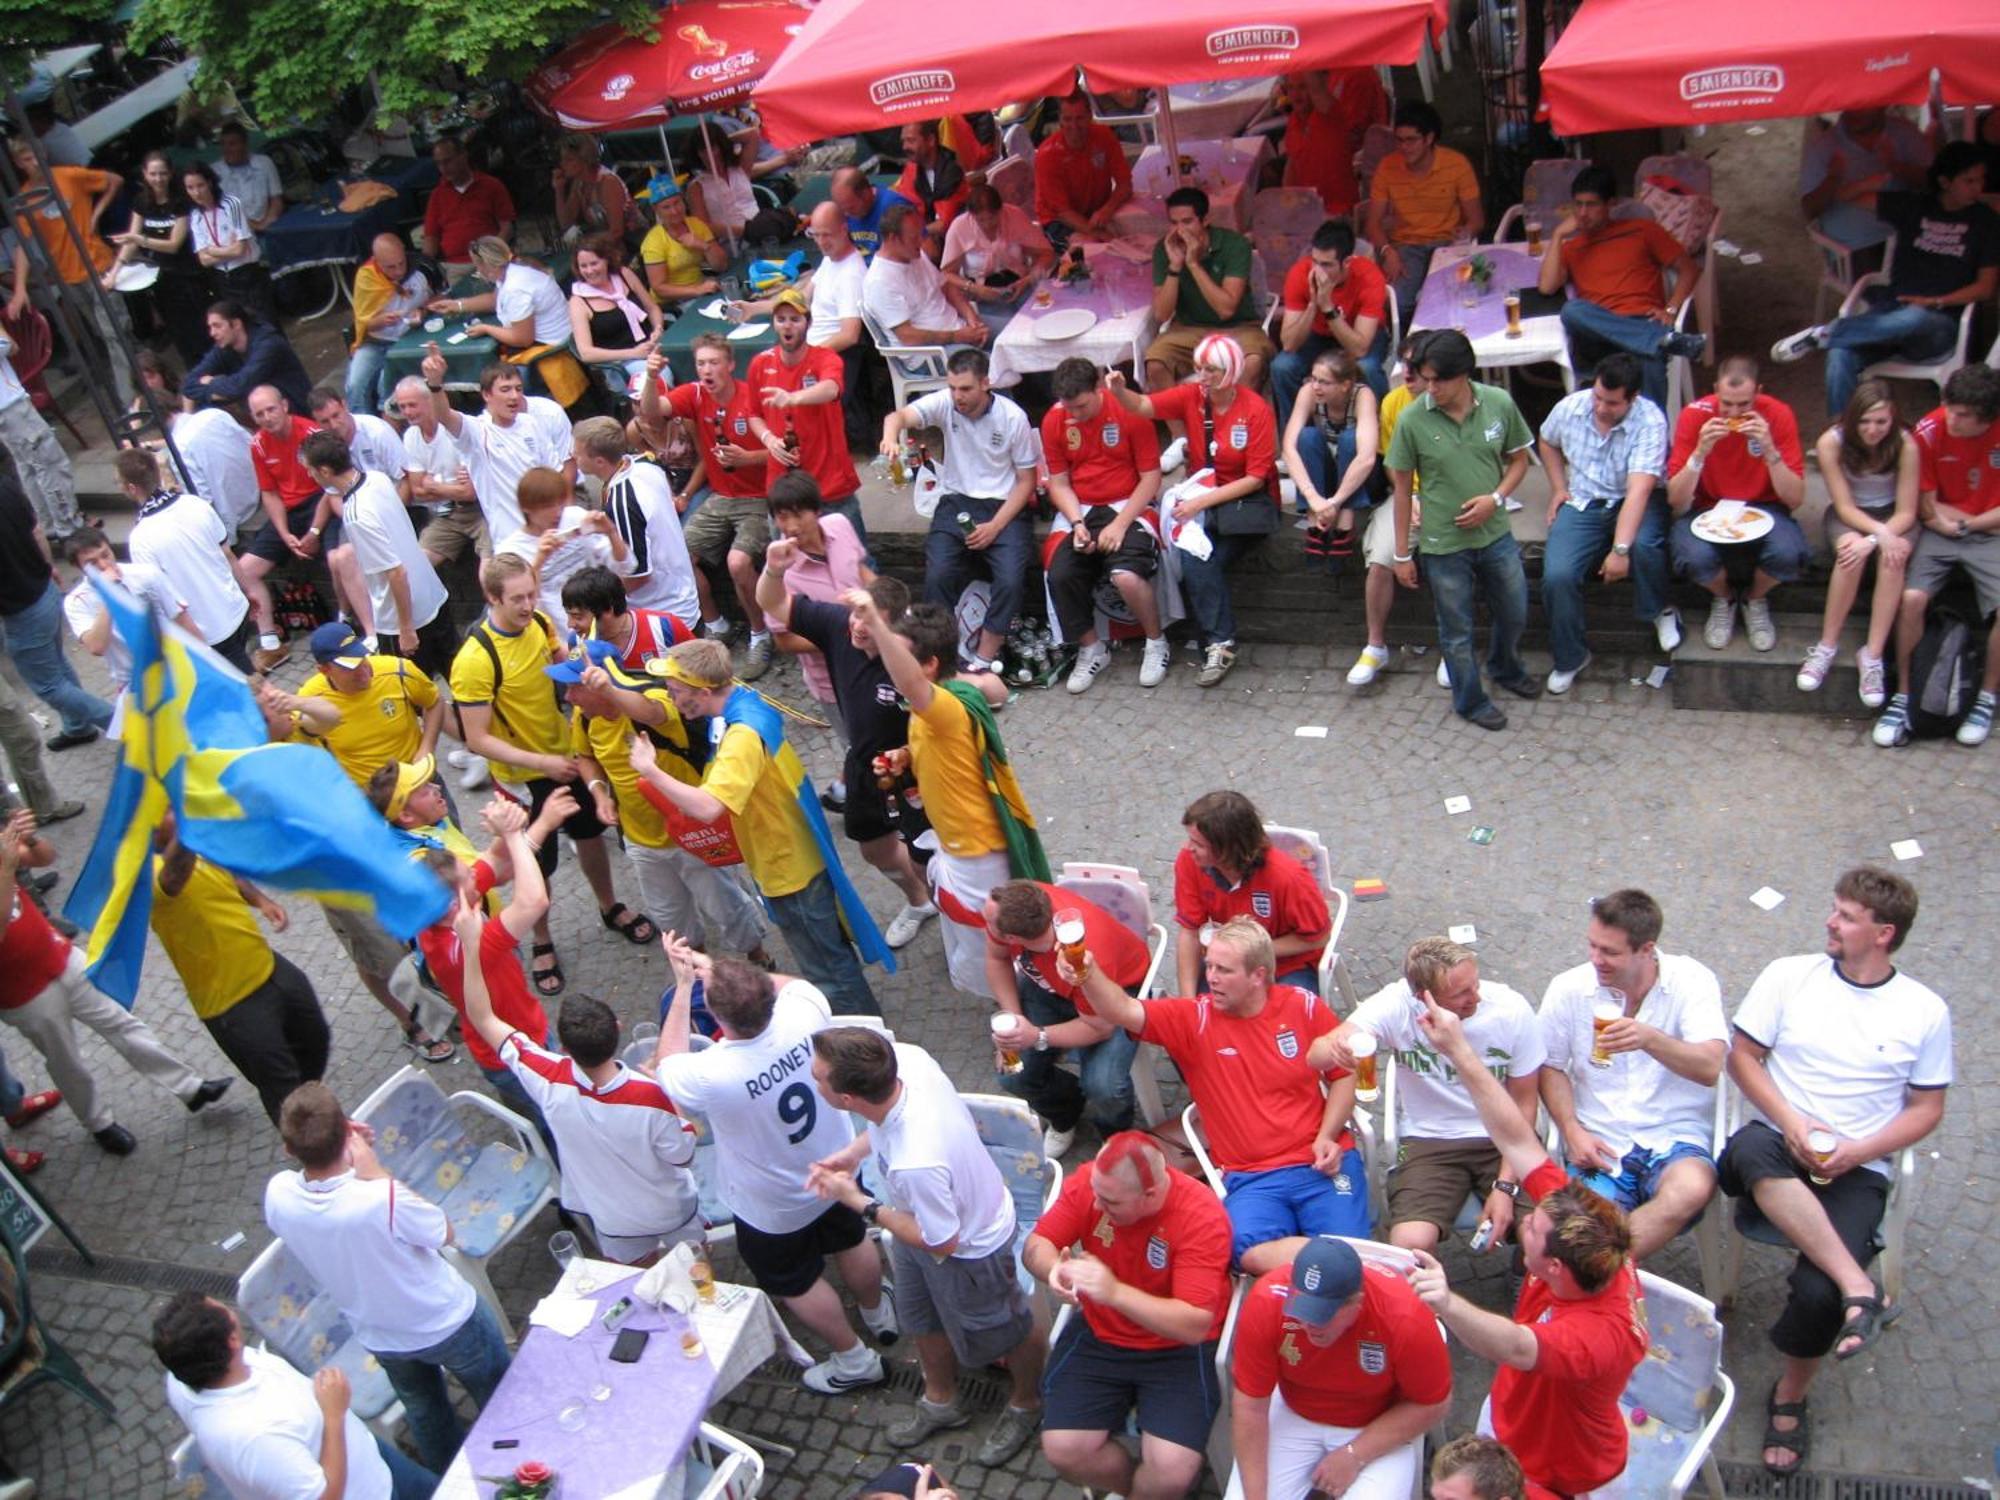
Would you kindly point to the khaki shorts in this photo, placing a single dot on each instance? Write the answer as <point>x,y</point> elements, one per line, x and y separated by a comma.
<point>367,942</point>
<point>978,1305</point>
<point>1432,1179</point>
<point>1175,347</point>
<point>721,525</point>
<point>1378,543</point>
<point>448,535</point>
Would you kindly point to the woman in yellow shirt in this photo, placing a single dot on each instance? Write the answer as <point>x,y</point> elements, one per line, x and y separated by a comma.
<point>681,253</point>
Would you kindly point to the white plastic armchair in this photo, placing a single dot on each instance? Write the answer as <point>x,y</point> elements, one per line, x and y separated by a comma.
<point>721,1466</point>
<point>1014,180</point>
<point>1309,849</point>
<point>914,369</point>
<point>1123,892</point>
<point>1683,1394</point>
<point>1936,371</point>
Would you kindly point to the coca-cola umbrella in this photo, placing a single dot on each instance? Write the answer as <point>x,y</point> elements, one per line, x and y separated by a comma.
<point>708,53</point>
<point>1632,64</point>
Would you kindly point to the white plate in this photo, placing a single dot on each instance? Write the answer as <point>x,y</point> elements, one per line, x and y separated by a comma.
<point>433,325</point>
<point>1749,524</point>
<point>747,331</point>
<point>1065,323</point>
<point>135,277</point>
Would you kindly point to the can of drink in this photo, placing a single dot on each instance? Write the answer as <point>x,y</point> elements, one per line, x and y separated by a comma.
<point>1005,1040</point>
<point>1607,1009</point>
<point>1367,1089</point>
<point>1512,302</point>
<point>1821,1144</point>
<point>1070,937</point>
<point>965,522</point>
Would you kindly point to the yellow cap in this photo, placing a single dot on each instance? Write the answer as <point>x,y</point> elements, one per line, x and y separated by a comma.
<point>791,296</point>
<point>410,774</point>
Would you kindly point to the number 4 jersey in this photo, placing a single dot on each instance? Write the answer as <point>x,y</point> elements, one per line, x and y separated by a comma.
<point>768,1122</point>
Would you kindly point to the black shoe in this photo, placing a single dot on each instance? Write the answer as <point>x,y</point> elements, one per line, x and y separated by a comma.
<point>116,1139</point>
<point>69,739</point>
<point>1683,345</point>
<point>207,1094</point>
<point>1488,717</point>
<point>1527,687</point>
<point>41,882</point>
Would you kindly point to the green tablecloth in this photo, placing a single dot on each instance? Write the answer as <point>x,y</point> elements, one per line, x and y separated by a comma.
<point>678,340</point>
<point>462,361</point>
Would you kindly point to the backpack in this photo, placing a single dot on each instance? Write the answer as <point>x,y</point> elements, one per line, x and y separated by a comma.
<point>1944,673</point>
<point>482,634</point>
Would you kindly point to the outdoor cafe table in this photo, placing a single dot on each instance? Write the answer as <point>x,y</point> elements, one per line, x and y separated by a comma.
<point>317,234</point>
<point>1447,302</point>
<point>1225,170</point>
<point>463,360</point>
<point>632,1445</point>
<point>1119,292</point>
<point>678,339</point>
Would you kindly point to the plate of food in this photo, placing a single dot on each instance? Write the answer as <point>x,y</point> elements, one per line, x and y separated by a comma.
<point>1731,523</point>
<point>1065,323</point>
<point>135,276</point>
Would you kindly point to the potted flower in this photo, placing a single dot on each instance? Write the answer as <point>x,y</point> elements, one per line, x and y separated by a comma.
<point>1477,272</point>
<point>533,1480</point>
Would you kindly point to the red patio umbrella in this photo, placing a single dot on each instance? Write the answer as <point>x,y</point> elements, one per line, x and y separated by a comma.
<point>1632,64</point>
<point>709,53</point>
<point>863,64</point>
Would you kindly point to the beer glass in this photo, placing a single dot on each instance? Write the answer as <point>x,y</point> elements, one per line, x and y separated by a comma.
<point>1004,1039</point>
<point>1512,302</point>
<point>1609,1007</point>
<point>1821,1144</point>
<point>1366,1088</point>
<point>1069,936</point>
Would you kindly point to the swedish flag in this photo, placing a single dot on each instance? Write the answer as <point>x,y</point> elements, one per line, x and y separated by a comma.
<point>285,815</point>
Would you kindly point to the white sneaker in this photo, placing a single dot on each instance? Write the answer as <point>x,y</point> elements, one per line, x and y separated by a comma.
<point>1090,660</point>
<point>1757,624</point>
<point>882,1323</point>
<point>1721,624</point>
<point>907,924</point>
<point>1559,681</point>
<point>1796,346</point>
<point>1368,665</point>
<point>1444,675</point>
<point>1978,724</point>
<point>1874,688</point>
<point>1667,627</point>
<point>474,773</point>
<point>1153,665</point>
<point>830,1377</point>
<point>1818,662</point>
<point>715,630</point>
<point>1056,1143</point>
<point>1173,455</point>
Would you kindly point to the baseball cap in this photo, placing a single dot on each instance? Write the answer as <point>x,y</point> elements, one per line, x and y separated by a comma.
<point>410,774</point>
<point>792,297</point>
<point>1324,1275</point>
<point>596,654</point>
<point>661,188</point>
<point>900,1479</point>
<point>338,644</point>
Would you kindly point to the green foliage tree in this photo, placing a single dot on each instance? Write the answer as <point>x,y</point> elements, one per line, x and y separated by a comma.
<point>288,58</point>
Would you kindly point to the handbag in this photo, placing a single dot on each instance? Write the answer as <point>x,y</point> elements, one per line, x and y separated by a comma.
<point>1250,515</point>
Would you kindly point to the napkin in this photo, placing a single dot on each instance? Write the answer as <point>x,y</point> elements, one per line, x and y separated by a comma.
<point>568,1316</point>
<point>668,1278</point>
<point>716,309</point>
<point>746,331</point>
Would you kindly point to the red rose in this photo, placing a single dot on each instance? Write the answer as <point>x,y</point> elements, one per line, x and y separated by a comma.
<point>534,1472</point>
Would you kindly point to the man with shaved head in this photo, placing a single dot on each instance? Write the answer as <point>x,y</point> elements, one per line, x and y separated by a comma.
<point>833,295</point>
<point>862,205</point>
<point>389,298</point>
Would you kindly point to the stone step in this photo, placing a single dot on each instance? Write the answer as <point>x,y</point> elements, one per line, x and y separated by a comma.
<point>1743,678</point>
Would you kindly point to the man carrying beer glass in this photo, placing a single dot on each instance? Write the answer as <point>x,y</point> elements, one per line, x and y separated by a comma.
<point>1637,1127</point>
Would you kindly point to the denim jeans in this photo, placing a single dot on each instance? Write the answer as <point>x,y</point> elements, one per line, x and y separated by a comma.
<point>1781,553</point>
<point>1204,582</point>
<point>1596,326</point>
<point>1328,468</point>
<point>1290,369</point>
<point>1457,579</point>
<point>1410,285</point>
<point>1051,1091</point>
<point>949,565</point>
<point>34,640</point>
<point>407,1480</point>
<point>12,1092</point>
<point>367,377</point>
<point>477,1357</point>
<point>810,920</point>
<point>1579,541</point>
<point>1890,330</point>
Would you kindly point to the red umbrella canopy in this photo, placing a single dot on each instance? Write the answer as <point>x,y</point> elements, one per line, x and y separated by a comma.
<point>863,64</point>
<point>709,53</point>
<point>1631,64</point>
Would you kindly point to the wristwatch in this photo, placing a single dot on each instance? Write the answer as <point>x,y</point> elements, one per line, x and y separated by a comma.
<point>1041,1038</point>
<point>1623,549</point>
<point>871,1212</point>
<point>1511,1189</point>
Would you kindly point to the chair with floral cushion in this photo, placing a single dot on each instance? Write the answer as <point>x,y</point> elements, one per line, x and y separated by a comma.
<point>300,1323</point>
<point>1677,1400</point>
<point>1305,845</point>
<point>1120,891</point>
<point>490,1191</point>
<point>1013,1138</point>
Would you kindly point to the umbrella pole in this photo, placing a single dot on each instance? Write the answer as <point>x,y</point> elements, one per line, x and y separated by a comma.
<point>1163,110</point>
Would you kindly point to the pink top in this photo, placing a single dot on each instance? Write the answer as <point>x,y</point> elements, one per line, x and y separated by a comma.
<point>825,579</point>
<point>1006,251</point>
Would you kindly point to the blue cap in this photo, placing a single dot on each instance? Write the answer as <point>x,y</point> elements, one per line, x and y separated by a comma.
<point>661,188</point>
<point>596,653</point>
<point>1324,1275</point>
<point>338,644</point>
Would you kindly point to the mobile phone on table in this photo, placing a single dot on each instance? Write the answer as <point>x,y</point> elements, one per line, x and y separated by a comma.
<point>615,1315</point>
<point>628,1346</point>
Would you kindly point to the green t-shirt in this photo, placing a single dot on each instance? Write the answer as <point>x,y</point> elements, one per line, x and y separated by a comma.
<point>1228,255</point>
<point>1454,461</point>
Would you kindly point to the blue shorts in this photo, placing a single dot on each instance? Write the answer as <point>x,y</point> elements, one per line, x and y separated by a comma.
<point>1639,1174</point>
<point>1284,1201</point>
<point>1092,1386</point>
<point>1305,979</point>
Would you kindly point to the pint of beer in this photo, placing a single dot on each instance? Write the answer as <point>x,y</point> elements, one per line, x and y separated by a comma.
<point>1366,1088</point>
<point>1069,937</point>
<point>1512,302</point>
<point>1602,1014</point>
<point>1821,1144</point>
<point>1534,237</point>
<point>1003,1039</point>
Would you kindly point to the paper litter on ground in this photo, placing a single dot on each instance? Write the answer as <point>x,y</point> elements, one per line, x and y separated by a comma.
<point>1907,849</point>
<point>1310,732</point>
<point>1767,898</point>
<point>1456,805</point>
<point>1465,933</point>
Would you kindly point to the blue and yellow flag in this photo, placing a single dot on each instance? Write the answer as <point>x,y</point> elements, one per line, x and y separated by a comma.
<point>284,815</point>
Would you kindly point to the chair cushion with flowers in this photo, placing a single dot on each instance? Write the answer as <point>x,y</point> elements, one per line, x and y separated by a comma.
<point>1013,1138</point>
<point>300,1323</point>
<point>1671,1395</point>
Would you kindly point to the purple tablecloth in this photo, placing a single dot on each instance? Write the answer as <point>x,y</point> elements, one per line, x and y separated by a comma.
<point>1117,286</point>
<point>643,1430</point>
<point>1440,304</point>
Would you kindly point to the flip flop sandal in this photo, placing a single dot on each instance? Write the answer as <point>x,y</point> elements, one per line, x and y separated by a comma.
<point>548,982</point>
<point>1797,1442</point>
<point>1876,1317</point>
<point>630,925</point>
<point>431,1049</point>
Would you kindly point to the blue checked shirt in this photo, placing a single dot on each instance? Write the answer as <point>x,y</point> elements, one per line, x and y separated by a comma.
<point>1601,462</point>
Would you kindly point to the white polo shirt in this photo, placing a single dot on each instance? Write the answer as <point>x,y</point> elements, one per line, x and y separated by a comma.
<point>625,1152</point>
<point>83,607</point>
<point>769,1122</point>
<point>496,457</point>
<point>373,1245</point>
<point>640,502</point>
<point>216,464</point>
<point>936,1167</point>
<point>585,549</point>
<point>1847,1054</point>
<point>378,447</point>
<point>982,453</point>
<point>184,541</point>
<point>908,291</point>
<point>1638,1100</point>
<point>378,528</point>
<point>261,1436</point>
<point>436,455</point>
<point>1434,1104</point>
<point>836,296</point>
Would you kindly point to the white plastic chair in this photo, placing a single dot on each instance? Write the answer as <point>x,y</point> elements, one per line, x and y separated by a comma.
<point>1123,892</point>
<point>1691,172</point>
<point>1544,190</point>
<point>1017,140</point>
<point>721,1466</point>
<point>1309,849</point>
<point>1013,1138</point>
<point>1283,221</point>
<point>1836,273</point>
<point>914,369</point>
<point>188,1475</point>
<point>299,1322</point>
<point>1936,371</point>
<point>1684,1393</point>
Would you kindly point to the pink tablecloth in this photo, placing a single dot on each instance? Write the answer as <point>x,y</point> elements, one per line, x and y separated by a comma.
<point>1443,304</point>
<point>1119,292</point>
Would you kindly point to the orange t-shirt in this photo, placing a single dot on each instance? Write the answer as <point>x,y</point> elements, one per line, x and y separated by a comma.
<point>76,186</point>
<point>1619,267</point>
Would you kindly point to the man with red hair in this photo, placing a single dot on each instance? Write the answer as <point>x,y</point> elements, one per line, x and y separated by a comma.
<point>1151,1281</point>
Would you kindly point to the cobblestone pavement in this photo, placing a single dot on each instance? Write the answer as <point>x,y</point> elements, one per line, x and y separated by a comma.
<point>1609,786</point>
